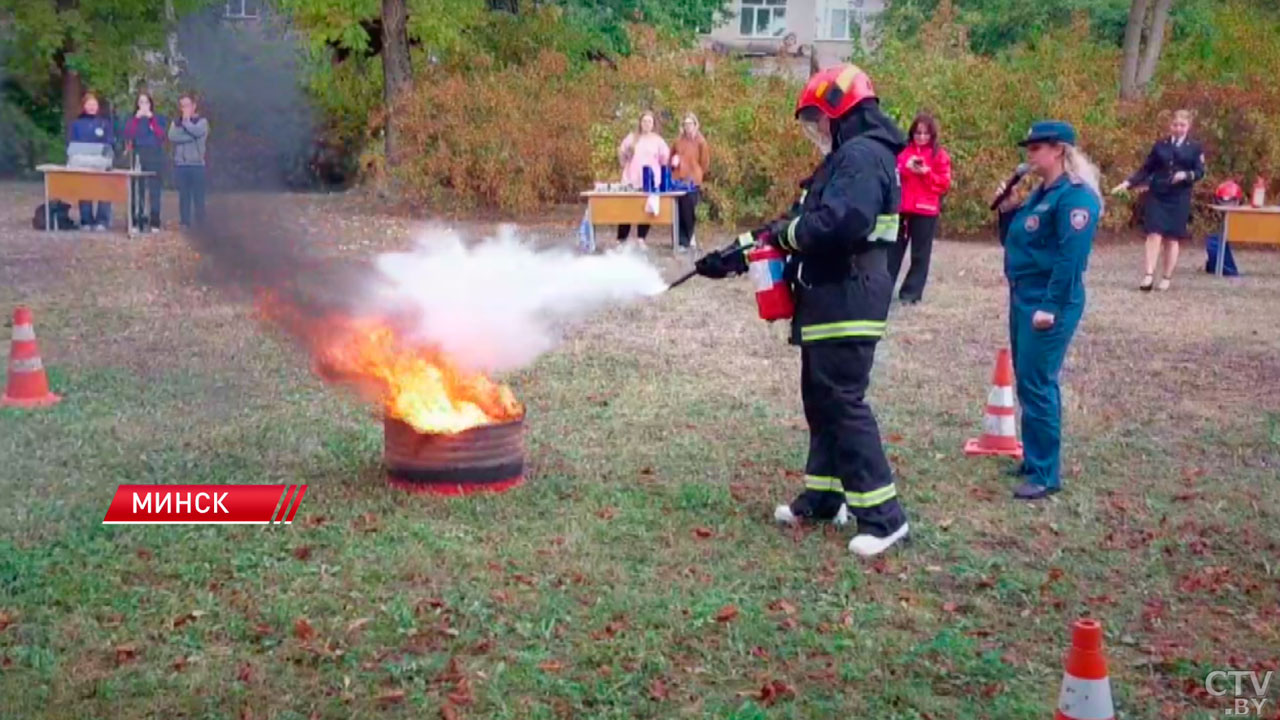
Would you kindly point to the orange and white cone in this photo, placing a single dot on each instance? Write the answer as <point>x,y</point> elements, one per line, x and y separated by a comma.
<point>27,386</point>
<point>999,428</point>
<point>1086,688</point>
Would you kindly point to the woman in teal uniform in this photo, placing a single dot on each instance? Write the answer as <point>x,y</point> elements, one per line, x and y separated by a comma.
<point>1046,253</point>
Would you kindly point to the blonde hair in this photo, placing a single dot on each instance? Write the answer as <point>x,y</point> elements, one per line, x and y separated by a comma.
<point>1079,167</point>
<point>1184,115</point>
<point>697,126</point>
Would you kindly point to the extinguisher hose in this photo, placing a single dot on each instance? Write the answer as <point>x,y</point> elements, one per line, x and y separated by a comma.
<point>682,279</point>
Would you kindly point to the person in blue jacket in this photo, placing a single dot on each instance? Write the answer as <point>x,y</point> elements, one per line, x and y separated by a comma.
<point>91,127</point>
<point>1046,253</point>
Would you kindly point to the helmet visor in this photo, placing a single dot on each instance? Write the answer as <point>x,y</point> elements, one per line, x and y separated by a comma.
<point>814,132</point>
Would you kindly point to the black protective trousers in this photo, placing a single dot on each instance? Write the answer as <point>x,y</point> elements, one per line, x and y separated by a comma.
<point>846,460</point>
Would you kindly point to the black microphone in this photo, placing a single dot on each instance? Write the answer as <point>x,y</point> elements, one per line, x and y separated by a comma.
<point>1018,172</point>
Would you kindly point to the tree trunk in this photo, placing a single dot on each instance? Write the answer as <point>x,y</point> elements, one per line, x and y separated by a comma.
<point>1155,43</point>
<point>1132,48</point>
<point>72,88</point>
<point>68,80</point>
<point>397,71</point>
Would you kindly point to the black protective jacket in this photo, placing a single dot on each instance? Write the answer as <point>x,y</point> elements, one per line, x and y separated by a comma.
<point>841,232</point>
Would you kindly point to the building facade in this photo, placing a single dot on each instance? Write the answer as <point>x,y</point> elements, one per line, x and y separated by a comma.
<point>797,33</point>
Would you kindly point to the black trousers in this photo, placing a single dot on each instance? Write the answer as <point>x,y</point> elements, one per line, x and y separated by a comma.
<point>624,231</point>
<point>687,206</point>
<point>916,230</point>
<point>150,159</point>
<point>846,461</point>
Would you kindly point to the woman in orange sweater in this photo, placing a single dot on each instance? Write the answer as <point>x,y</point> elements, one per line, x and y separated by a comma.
<point>690,157</point>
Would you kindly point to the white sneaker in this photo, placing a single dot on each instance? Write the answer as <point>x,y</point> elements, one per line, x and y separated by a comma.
<point>870,545</point>
<point>783,515</point>
<point>101,228</point>
<point>842,517</point>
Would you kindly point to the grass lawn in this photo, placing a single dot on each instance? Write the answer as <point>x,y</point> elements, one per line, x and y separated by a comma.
<point>637,573</point>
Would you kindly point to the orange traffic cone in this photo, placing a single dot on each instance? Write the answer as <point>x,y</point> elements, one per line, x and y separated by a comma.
<point>28,386</point>
<point>1086,688</point>
<point>999,431</point>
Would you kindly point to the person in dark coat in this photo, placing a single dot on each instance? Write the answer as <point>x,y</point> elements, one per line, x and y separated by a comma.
<point>93,127</point>
<point>1172,167</point>
<point>837,239</point>
<point>145,135</point>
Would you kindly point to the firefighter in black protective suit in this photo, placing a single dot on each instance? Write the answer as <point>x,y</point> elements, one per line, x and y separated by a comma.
<point>838,237</point>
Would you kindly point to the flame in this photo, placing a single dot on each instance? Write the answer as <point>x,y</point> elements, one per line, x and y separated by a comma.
<point>411,382</point>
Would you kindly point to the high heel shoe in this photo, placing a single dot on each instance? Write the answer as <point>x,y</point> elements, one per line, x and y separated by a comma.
<point>1147,281</point>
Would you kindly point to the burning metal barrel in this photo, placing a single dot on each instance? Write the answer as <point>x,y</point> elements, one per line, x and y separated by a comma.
<point>485,458</point>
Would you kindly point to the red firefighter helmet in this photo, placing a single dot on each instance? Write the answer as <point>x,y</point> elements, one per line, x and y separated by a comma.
<point>1228,193</point>
<point>834,90</point>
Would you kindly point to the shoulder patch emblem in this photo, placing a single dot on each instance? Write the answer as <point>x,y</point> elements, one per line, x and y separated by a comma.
<point>1079,218</point>
<point>1032,224</point>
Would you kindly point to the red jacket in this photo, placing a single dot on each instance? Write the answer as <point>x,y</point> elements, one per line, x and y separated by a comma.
<point>922,194</point>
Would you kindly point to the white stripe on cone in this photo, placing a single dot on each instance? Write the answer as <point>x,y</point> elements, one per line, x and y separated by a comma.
<point>1085,699</point>
<point>1002,425</point>
<point>1001,396</point>
<point>25,365</point>
<point>24,332</point>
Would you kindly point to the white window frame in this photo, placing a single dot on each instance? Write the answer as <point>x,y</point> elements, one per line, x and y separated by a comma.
<point>242,9</point>
<point>856,16</point>
<point>777,21</point>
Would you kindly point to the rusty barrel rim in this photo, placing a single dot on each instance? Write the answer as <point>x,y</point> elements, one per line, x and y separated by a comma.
<point>483,455</point>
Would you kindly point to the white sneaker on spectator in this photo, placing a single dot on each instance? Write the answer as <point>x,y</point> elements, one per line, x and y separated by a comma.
<point>101,228</point>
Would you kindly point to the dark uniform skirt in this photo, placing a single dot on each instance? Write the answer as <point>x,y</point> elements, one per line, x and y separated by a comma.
<point>1167,214</point>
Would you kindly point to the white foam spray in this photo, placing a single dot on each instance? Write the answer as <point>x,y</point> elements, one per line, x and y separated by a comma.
<point>499,304</point>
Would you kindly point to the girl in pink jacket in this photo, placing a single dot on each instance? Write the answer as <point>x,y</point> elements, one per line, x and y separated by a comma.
<point>640,149</point>
<point>925,170</point>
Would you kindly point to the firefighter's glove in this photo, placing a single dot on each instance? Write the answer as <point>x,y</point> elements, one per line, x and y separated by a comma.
<point>721,264</point>
<point>772,233</point>
<point>712,266</point>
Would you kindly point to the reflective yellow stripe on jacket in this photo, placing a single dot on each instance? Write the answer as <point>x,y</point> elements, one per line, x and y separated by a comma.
<point>847,329</point>
<point>886,230</point>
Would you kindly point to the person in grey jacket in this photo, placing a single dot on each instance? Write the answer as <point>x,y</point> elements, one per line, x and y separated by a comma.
<point>188,133</point>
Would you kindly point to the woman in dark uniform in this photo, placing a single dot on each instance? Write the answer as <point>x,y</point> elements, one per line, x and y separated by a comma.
<point>1046,253</point>
<point>1174,164</point>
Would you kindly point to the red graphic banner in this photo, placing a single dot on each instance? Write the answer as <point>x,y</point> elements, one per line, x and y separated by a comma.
<point>204,504</point>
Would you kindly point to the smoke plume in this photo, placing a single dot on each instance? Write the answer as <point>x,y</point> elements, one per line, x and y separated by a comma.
<point>498,305</point>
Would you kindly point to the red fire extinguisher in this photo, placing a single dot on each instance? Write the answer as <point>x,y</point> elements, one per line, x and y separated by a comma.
<point>1259,192</point>
<point>773,297</point>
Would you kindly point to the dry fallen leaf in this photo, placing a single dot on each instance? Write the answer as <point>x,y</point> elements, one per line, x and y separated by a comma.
<point>180,664</point>
<point>607,513</point>
<point>949,607</point>
<point>551,666</point>
<point>6,620</point>
<point>448,712</point>
<point>303,630</point>
<point>726,614</point>
<point>658,690</point>
<point>702,533</point>
<point>359,624</point>
<point>391,697</point>
<point>782,606</point>
<point>302,552</point>
<point>846,618</point>
<point>245,673</point>
<point>774,691</point>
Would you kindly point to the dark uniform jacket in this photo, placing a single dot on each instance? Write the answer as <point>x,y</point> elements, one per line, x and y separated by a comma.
<point>845,223</point>
<point>1163,161</point>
